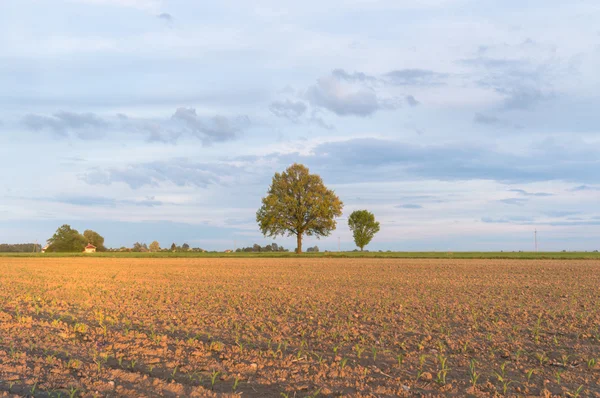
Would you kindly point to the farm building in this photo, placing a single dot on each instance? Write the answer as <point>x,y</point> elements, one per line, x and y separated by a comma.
<point>90,248</point>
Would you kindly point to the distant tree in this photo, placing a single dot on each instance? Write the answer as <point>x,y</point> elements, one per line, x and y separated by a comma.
<point>298,203</point>
<point>173,247</point>
<point>139,247</point>
<point>185,247</point>
<point>154,246</point>
<point>256,248</point>
<point>363,226</point>
<point>66,239</point>
<point>95,239</point>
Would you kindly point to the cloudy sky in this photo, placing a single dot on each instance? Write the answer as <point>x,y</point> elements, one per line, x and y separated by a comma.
<point>462,124</point>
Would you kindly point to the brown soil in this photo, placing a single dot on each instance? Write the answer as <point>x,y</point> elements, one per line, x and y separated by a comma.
<point>298,327</point>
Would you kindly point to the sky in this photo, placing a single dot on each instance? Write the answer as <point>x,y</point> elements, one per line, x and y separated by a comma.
<point>461,124</point>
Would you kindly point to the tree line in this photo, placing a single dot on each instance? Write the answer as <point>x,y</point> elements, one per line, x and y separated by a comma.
<point>256,248</point>
<point>20,248</point>
<point>297,204</point>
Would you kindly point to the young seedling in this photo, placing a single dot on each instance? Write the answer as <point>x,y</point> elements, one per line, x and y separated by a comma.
<point>558,375</point>
<point>335,349</point>
<point>441,375</point>
<point>473,374</point>
<point>400,359</point>
<point>319,357</point>
<point>591,363</point>
<point>576,393</point>
<point>502,378</point>
<point>529,374</point>
<point>541,356</point>
<point>343,363</point>
<point>213,379</point>
<point>72,392</point>
<point>235,384</point>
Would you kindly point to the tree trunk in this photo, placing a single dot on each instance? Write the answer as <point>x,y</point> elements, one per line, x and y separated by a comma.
<point>361,248</point>
<point>299,248</point>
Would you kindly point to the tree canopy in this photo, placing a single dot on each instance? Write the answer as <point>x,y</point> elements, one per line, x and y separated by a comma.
<point>154,246</point>
<point>66,239</point>
<point>363,226</point>
<point>298,203</point>
<point>95,239</point>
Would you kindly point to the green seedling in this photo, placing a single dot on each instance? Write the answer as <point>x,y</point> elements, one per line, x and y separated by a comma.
<point>576,393</point>
<point>343,363</point>
<point>473,374</point>
<point>529,374</point>
<point>213,378</point>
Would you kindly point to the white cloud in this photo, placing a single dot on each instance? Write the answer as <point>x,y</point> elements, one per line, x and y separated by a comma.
<point>147,5</point>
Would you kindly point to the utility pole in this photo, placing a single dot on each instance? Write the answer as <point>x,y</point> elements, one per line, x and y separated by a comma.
<point>535,239</point>
<point>339,245</point>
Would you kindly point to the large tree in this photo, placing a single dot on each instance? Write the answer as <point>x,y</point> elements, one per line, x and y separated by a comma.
<point>66,239</point>
<point>298,203</point>
<point>363,226</point>
<point>95,239</point>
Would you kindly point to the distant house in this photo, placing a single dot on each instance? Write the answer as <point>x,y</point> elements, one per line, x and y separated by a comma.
<point>228,251</point>
<point>90,248</point>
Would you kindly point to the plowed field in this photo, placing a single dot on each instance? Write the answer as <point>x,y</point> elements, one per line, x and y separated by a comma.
<point>299,327</point>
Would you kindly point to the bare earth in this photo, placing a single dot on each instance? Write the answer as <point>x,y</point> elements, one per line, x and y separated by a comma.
<point>299,327</point>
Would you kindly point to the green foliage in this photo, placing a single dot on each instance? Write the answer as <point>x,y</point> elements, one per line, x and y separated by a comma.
<point>95,239</point>
<point>66,239</point>
<point>154,247</point>
<point>298,203</point>
<point>363,226</point>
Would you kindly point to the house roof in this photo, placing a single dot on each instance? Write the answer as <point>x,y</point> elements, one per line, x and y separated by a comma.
<point>90,246</point>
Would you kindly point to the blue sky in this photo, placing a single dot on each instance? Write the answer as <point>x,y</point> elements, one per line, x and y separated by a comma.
<point>462,124</point>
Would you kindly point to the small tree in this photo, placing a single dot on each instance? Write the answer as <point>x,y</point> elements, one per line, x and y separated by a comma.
<point>298,203</point>
<point>185,247</point>
<point>66,239</point>
<point>173,247</point>
<point>154,247</point>
<point>363,226</point>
